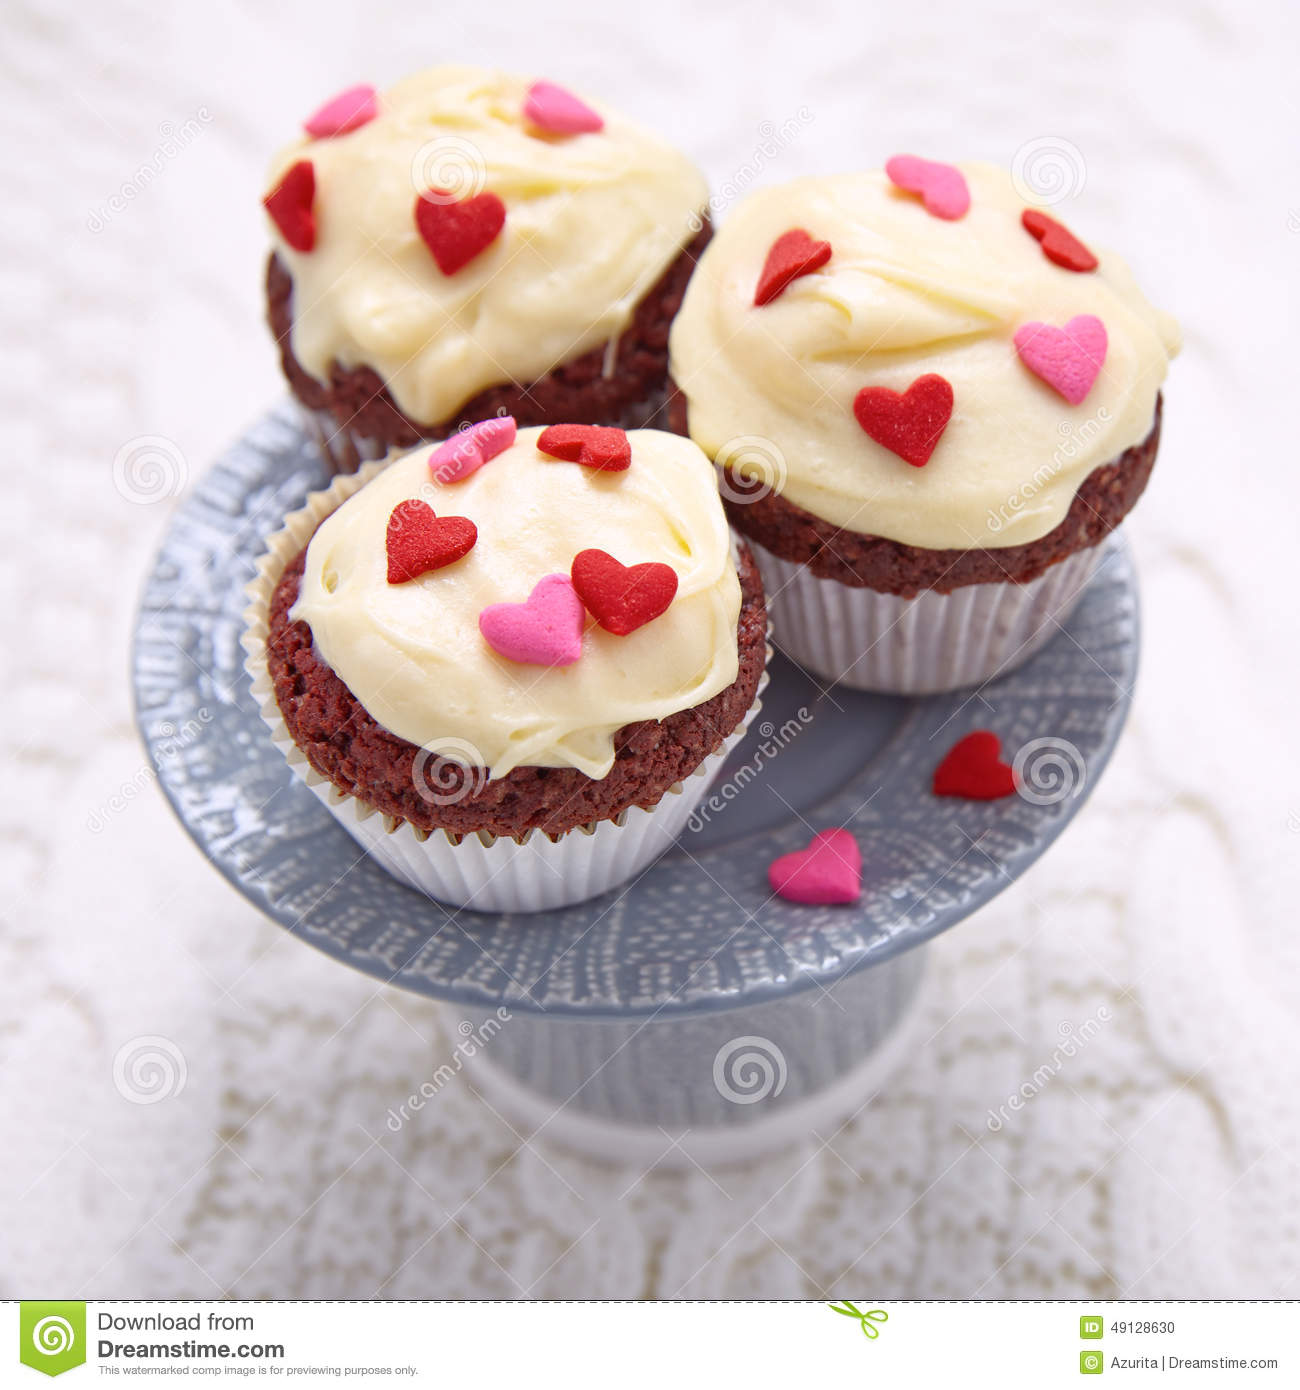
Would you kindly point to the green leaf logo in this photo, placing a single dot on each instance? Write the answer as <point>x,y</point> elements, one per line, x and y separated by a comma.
<point>867,1321</point>
<point>52,1336</point>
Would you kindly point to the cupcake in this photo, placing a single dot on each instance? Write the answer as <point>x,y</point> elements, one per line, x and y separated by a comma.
<point>930,402</point>
<point>513,664</point>
<point>470,243</point>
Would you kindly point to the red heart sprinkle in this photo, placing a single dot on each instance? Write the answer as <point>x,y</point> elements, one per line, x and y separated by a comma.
<point>456,232</point>
<point>1059,244</point>
<point>595,446</point>
<point>792,254</point>
<point>290,206</point>
<point>419,541</point>
<point>974,769</point>
<point>907,424</point>
<point>622,598</point>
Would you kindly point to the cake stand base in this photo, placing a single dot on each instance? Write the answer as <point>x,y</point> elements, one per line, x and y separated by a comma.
<point>703,1090</point>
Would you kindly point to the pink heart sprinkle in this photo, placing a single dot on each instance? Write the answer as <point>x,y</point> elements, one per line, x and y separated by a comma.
<point>942,186</point>
<point>828,871</point>
<point>544,631</point>
<point>468,450</point>
<point>348,111</point>
<point>1067,359</point>
<point>553,109</point>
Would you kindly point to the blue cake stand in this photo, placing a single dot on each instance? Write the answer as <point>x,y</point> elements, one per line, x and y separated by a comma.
<point>690,1006</point>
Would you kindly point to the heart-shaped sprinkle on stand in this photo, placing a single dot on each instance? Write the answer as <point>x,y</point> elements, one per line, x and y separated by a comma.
<point>290,205</point>
<point>974,769</point>
<point>419,541</point>
<point>909,423</point>
<point>546,630</point>
<point>1059,244</point>
<point>828,871</point>
<point>622,598</point>
<point>1067,359</point>
<point>594,446</point>
<point>456,231</point>
<point>552,109</point>
<point>468,450</point>
<point>792,254</point>
<point>942,187</point>
<point>348,111</point>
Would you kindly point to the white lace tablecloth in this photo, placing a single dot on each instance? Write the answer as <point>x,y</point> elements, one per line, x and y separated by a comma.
<point>1160,1160</point>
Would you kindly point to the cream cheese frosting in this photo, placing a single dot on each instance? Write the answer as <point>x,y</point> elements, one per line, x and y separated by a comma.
<point>414,657</point>
<point>592,221</point>
<point>906,293</point>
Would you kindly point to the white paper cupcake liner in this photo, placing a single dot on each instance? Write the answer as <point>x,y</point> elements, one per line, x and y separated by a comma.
<point>481,871</point>
<point>344,450</point>
<point>922,645</point>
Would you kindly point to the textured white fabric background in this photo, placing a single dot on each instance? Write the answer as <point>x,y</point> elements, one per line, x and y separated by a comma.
<point>1161,1161</point>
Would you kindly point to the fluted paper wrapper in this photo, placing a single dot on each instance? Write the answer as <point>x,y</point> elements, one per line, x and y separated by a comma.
<point>482,871</point>
<point>344,449</point>
<point>922,645</point>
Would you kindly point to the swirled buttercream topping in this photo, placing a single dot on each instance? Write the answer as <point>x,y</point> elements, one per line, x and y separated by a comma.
<point>412,652</point>
<point>905,294</point>
<point>592,219</point>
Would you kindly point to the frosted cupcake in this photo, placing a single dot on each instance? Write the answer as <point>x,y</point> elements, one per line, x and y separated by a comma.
<point>470,243</point>
<point>512,665</point>
<point>929,402</point>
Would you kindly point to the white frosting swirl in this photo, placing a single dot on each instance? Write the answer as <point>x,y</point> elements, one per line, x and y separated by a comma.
<point>906,293</point>
<point>412,653</point>
<point>592,221</point>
